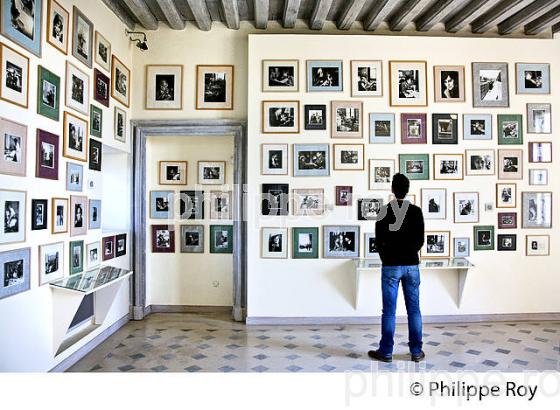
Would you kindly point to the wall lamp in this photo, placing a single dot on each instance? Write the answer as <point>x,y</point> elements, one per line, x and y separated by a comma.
<point>141,44</point>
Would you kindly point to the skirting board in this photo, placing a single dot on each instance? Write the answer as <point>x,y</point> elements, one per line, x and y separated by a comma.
<point>188,309</point>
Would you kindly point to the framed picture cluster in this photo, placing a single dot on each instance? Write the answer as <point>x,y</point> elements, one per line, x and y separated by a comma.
<point>192,239</point>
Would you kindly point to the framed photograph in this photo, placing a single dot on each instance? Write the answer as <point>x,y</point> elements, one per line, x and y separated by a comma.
<point>510,164</point>
<point>436,244</point>
<point>48,94</point>
<point>78,215</point>
<point>537,245</point>
<point>93,254</point>
<point>414,129</point>
<point>370,247</point>
<point>14,211</point>
<point>164,87</point>
<point>466,205</point>
<point>120,81</point>
<point>536,210</point>
<point>449,82</point>
<point>490,85</point>
<point>120,124</point>
<point>346,119</point>
<point>506,195</point>
<point>341,241</point>
<point>75,137</point>
<point>192,238</point>
<point>381,128</point>
<point>348,157</point>
<point>408,84</point>
<point>280,76</point>
<point>15,271</point>
<point>163,239</point>
<point>343,195</point>
<point>211,172</point>
<point>77,89</point>
<point>280,117</point>
<point>14,75</point>
<point>274,243</point>
<point>46,165</point>
<point>415,166</point>
<point>51,262</point>
<point>540,151</point>
<point>95,121</point>
<point>507,242</point>
<point>410,198</point>
<point>74,177</point>
<point>311,160</point>
<point>82,38</point>
<point>21,23</point>
<point>76,256</point>
<point>369,208</point>
<point>95,154</point>
<point>108,247</point>
<point>59,215</point>
<point>480,162</point>
<point>477,126</point>
<point>434,203</point>
<point>445,129</point>
<point>315,117</point>
<point>58,21</point>
<point>510,129</point>
<point>448,167</point>
<point>192,205</point>
<point>461,247</point>
<point>483,237</point>
<point>102,52</point>
<point>507,220</point>
<point>102,85</point>
<point>381,173</point>
<point>275,199</point>
<point>94,214</point>
<point>161,204</point>
<point>39,217</point>
<point>538,177</point>
<point>308,202</point>
<point>533,78</point>
<point>324,75</point>
<point>305,243</point>
<point>539,119</point>
<point>220,205</point>
<point>214,87</point>
<point>221,239</point>
<point>120,245</point>
<point>13,146</point>
<point>274,159</point>
<point>367,78</point>
<point>173,172</point>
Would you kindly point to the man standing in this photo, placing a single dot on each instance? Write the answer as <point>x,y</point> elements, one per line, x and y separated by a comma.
<point>399,236</point>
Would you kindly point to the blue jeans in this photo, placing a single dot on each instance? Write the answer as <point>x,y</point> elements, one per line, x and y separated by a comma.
<point>410,278</point>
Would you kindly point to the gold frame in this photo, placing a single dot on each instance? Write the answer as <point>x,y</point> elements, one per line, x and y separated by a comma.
<point>230,108</point>
<point>462,168</point>
<point>114,60</point>
<point>391,62</point>
<point>49,28</point>
<point>349,145</point>
<point>296,123</point>
<point>461,70</point>
<point>65,137</point>
<point>148,66</point>
<point>297,76</point>
<point>53,202</point>
<point>2,45</point>
<point>186,163</point>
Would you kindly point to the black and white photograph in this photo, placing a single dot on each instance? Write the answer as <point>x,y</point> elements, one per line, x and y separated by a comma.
<point>48,94</point>
<point>120,124</point>
<point>434,203</point>
<point>39,214</point>
<point>369,209</point>
<point>13,210</point>
<point>449,83</point>
<point>191,204</point>
<point>539,118</point>
<point>480,162</point>
<point>367,78</point>
<point>164,84</point>
<point>94,214</point>
<point>346,119</point>
<point>537,245</point>
<point>323,75</point>
<point>381,128</point>
<point>14,271</point>
<point>82,37</point>
<point>448,166</point>
<point>305,243</point>
<point>275,199</point>
<point>445,129</point>
<point>211,172</point>
<point>280,117</point>
<point>59,212</point>
<point>381,173</point>
<point>462,247</point>
<point>192,238</point>
<point>57,26</point>
<point>506,195</point>
<point>77,89</point>
<point>95,154</point>
<point>214,87</point>
<point>220,205</point>
<point>507,242</point>
<point>93,254</point>
<point>309,201</point>
<point>274,243</point>
<point>51,262</point>
<point>510,164</point>
<point>348,157</point>
<point>13,148</point>
<point>76,256</point>
<point>78,215</point>
<point>408,83</point>
<point>414,166</point>
<point>341,241</point>
<point>311,160</point>
<point>21,23</point>
<point>490,85</point>
<point>436,244</point>
<point>120,245</point>
<point>75,137</point>
<point>510,128</point>
<point>280,76</point>
<point>370,246</point>
<point>163,239</point>
<point>161,204</point>
<point>172,172</point>
<point>120,81</point>
<point>466,205</point>
<point>533,78</point>
<point>536,210</point>
<point>96,121</point>
<point>483,237</point>
<point>74,177</point>
<point>274,159</point>
<point>102,51</point>
<point>315,117</point>
<point>14,76</point>
<point>101,83</point>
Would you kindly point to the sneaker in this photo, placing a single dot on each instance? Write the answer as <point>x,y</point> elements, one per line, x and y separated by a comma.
<point>418,357</point>
<point>374,354</point>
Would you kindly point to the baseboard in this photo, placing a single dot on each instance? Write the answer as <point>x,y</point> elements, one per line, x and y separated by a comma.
<point>374,320</point>
<point>89,346</point>
<point>187,309</point>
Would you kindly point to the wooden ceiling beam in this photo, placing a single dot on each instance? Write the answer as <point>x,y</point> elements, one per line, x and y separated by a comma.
<point>468,14</point>
<point>172,15</point>
<point>546,21</point>
<point>201,14</point>
<point>497,14</point>
<point>349,14</point>
<point>231,13</point>
<point>121,13</point>
<point>529,13</point>
<point>142,13</point>
<point>406,13</point>
<point>291,9</point>
<point>436,13</point>
<point>320,13</point>
<point>378,13</point>
<point>261,8</point>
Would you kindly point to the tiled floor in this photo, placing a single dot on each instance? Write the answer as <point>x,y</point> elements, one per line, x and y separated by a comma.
<point>212,343</point>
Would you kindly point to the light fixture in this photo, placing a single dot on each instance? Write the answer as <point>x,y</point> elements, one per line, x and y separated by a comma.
<point>141,44</point>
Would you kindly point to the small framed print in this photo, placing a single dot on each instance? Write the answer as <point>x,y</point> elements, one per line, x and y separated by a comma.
<point>173,172</point>
<point>95,121</point>
<point>480,162</point>
<point>78,215</point>
<point>408,84</point>
<point>410,198</point>
<point>120,81</point>
<point>214,87</point>
<point>538,177</point>
<point>39,217</point>
<point>75,137</point>
<point>280,76</point>
<point>436,244</point>
<point>192,205</point>
<point>220,205</point>
<point>483,237</point>
<point>102,83</point>
<point>448,166</point>
<point>221,239</point>
<point>59,215</point>
<point>348,157</point>
<point>95,154</point>
<point>449,82</point>
<point>490,85</point>
<point>341,241</point>
<point>161,204</point>
<point>77,89</point>
<point>415,166</point>
<point>510,129</point>
<point>14,75</point>
<point>414,129</point>
<point>510,164</point>
<point>477,126</point>
<point>369,208</point>
<point>274,159</point>
<point>343,195</point>
<point>163,239</point>
<point>74,177</point>
<point>370,247</point>
<point>76,256</point>
<point>120,245</point>
<point>324,75</point>
<point>536,210</point>
<point>94,214</point>
<point>102,52</point>
<point>381,173</point>
<point>466,205</point>
<point>51,262</point>
<point>507,220</point>
<point>14,210</point>
<point>434,203</point>
<point>46,155</point>
<point>445,129</point>
<point>21,23</point>
<point>367,78</point>
<point>381,128</point>
<point>315,117</point>
<point>311,160</point>
<point>48,94</point>
<point>58,21</point>
<point>192,238</point>
<point>164,87</point>
<point>539,119</point>
<point>540,152</point>
<point>537,245</point>
<point>93,254</point>
<point>305,243</point>
<point>13,145</point>
<point>507,242</point>
<point>108,247</point>
<point>461,247</point>
<point>308,202</point>
<point>506,195</point>
<point>274,243</point>
<point>280,117</point>
<point>15,271</point>
<point>211,172</point>
<point>120,124</point>
<point>533,78</point>
<point>346,119</point>
<point>82,38</point>
<point>275,199</point>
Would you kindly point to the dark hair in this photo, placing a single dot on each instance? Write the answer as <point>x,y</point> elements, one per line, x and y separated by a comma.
<point>400,185</point>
